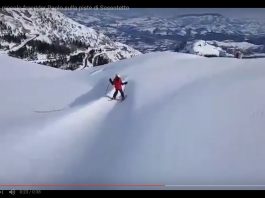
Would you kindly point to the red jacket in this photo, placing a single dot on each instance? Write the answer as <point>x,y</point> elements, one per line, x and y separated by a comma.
<point>117,83</point>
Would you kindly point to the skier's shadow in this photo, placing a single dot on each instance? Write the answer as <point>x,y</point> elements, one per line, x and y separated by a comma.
<point>94,94</point>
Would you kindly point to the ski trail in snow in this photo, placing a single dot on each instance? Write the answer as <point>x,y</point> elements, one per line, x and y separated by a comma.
<point>16,47</point>
<point>49,111</point>
<point>95,72</point>
<point>54,144</point>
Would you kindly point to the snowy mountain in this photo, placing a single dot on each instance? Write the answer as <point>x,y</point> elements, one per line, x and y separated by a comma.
<point>154,33</point>
<point>245,47</point>
<point>224,49</point>
<point>187,120</point>
<point>47,36</point>
<point>203,48</point>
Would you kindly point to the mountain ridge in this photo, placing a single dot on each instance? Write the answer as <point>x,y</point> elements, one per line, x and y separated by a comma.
<point>59,38</point>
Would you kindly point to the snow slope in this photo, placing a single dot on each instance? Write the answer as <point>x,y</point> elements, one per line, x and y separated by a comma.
<point>187,120</point>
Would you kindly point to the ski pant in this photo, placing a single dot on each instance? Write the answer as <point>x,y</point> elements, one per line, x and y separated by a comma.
<point>116,92</point>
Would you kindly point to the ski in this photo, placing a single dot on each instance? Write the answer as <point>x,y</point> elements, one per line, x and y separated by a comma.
<point>117,99</point>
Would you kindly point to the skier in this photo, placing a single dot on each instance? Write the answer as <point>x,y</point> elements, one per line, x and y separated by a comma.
<point>117,82</point>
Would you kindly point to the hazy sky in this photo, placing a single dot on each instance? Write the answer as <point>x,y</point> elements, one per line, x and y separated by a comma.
<point>255,13</point>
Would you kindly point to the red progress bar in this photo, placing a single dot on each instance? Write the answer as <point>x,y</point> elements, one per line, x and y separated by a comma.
<point>87,185</point>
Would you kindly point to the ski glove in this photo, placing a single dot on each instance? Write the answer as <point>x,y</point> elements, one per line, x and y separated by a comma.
<point>125,83</point>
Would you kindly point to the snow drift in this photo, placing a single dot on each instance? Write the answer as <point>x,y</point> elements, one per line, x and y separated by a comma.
<point>187,120</point>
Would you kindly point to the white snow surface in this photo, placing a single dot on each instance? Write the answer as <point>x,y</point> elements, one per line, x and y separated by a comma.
<point>187,120</point>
